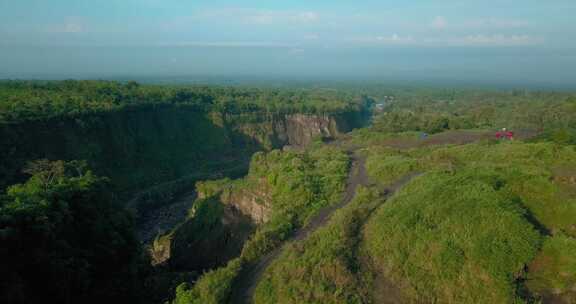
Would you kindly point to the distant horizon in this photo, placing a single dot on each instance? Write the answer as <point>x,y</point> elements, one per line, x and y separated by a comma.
<point>255,80</point>
<point>499,43</point>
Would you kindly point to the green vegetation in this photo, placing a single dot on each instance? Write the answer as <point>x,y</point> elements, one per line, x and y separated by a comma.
<point>140,135</point>
<point>386,166</point>
<point>464,232</point>
<point>203,241</point>
<point>213,288</point>
<point>554,269</point>
<point>41,100</point>
<point>299,185</point>
<point>487,221</point>
<point>323,268</point>
<point>453,239</point>
<point>435,111</point>
<point>211,188</point>
<point>62,238</point>
<point>472,219</point>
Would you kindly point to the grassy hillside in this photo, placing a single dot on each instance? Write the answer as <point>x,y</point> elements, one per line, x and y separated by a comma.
<point>324,268</point>
<point>484,214</point>
<point>300,184</point>
<point>486,222</point>
<point>452,239</point>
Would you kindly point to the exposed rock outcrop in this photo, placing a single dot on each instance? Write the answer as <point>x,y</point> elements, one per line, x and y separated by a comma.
<point>254,202</point>
<point>214,234</point>
<point>302,129</point>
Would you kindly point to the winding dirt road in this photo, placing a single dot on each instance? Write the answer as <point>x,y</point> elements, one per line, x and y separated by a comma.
<point>245,285</point>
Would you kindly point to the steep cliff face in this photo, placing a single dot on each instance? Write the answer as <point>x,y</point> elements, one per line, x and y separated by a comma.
<point>211,236</point>
<point>254,202</point>
<point>301,129</point>
<point>141,147</point>
<point>276,131</point>
<point>221,220</point>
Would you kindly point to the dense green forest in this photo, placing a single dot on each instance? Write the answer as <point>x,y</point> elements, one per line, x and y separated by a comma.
<point>428,204</point>
<point>548,112</point>
<point>143,135</point>
<point>64,239</point>
<point>28,101</point>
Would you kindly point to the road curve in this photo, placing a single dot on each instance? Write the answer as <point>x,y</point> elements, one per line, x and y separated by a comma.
<point>245,285</point>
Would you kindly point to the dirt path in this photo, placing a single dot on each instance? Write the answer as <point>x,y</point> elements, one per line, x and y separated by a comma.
<point>243,290</point>
<point>383,290</point>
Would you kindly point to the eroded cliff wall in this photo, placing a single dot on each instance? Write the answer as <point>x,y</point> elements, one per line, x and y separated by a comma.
<point>141,147</point>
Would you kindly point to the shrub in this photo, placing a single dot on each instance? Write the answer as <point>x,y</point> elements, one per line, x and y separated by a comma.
<point>212,288</point>
<point>321,269</point>
<point>452,239</point>
<point>554,269</point>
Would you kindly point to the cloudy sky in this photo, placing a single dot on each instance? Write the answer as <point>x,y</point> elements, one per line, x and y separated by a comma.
<point>490,38</point>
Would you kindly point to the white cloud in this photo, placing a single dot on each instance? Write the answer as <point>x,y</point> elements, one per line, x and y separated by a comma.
<point>393,39</point>
<point>296,51</point>
<point>280,17</point>
<point>307,17</point>
<point>476,40</point>
<point>70,25</point>
<point>495,23</point>
<point>260,17</point>
<point>500,40</point>
<point>311,37</point>
<point>227,44</point>
<point>492,40</point>
<point>439,23</point>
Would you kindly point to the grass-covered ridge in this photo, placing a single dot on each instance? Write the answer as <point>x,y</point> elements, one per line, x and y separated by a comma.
<point>532,182</point>
<point>487,222</point>
<point>300,184</point>
<point>554,269</point>
<point>324,268</point>
<point>453,238</point>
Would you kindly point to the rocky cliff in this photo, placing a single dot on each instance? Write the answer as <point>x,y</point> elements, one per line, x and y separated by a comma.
<point>213,234</point>
<point>254,201</point>
<point>221,220</point>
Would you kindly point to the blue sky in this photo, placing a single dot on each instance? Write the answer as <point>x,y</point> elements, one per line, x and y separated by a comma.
<point>101,37</point>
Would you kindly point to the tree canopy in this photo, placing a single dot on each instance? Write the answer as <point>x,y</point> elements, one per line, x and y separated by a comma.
<point>62,238</point>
